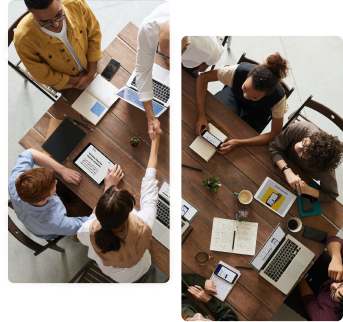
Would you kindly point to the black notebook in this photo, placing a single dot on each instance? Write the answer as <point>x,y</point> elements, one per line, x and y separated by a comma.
<point>63,140</point>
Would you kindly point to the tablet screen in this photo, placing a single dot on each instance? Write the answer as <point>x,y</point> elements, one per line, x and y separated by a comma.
<point>93,163</point>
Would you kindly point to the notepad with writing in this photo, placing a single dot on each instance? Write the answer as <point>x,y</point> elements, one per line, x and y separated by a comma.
<point>205,149</point>
<point>96,99</point>
<point>233,236</point>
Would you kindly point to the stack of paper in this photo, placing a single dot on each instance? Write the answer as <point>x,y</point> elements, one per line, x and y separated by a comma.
<point>233,236</point>
<point>204,148</point>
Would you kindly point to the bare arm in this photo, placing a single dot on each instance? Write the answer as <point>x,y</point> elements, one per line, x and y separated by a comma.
<point>335,270</point>
<point>152,163</point>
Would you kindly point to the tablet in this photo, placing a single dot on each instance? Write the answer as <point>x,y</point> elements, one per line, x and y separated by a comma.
<point>93,163</point>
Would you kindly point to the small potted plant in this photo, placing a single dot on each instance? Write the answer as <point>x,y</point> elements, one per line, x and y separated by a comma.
<point>212,184</point>
<point>135,140</point>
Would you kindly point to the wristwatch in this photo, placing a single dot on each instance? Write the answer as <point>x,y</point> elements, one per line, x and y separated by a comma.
<point>284,168</point>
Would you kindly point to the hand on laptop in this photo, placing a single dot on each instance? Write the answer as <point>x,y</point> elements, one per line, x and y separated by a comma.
<point>335,269</point>
<point>228,146</point>
<point>70,176</point>
<point>154,128</point>
<point>201,124</point>
<point>114,176</point>
<point>84,81</point>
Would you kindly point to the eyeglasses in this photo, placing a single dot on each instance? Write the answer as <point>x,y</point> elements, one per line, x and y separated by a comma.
<point>50,22</point>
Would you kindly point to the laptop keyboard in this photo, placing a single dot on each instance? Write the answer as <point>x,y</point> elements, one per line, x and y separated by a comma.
<point>163,213</point>
<point>282,260</point>
<point>161,91</point>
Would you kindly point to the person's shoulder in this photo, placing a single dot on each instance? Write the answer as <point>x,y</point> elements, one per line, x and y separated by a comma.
<point>24,31</point>
<point>74,3</point>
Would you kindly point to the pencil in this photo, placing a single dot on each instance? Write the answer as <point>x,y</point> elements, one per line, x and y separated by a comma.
<point>191,167</point>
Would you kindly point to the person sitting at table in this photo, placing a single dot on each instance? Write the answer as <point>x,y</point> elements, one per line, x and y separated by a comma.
<point>327,303</point>
<point>316,153</point>
<point>119,236</point>
<point>153,36</point>
<point>199,52</point>
<point>202,305</point>
<point>253,92</point>
<point>59,42</point>
<point>33,195</point>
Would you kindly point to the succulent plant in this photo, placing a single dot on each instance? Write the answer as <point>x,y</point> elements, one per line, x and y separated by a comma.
<point>212,184</point>
<point>135,140</point>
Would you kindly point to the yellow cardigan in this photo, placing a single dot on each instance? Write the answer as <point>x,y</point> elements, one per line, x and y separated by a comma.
<point>46,58</point>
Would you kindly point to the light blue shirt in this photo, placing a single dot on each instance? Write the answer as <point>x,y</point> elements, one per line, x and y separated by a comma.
<point>48,221</point>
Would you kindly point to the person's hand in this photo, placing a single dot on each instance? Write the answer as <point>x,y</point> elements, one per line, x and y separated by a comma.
<point>292,179</point>
<point>210,287</point>
<point>228,146</point>
<point>199,293</point>
<point>84,81</point>
<point>335,269</point>
<point>201,124</point>
<point>114,176</point>
<point>154,128</point>
<point>70,176</point>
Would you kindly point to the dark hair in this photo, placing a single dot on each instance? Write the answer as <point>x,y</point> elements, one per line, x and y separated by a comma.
<point>325,151</point>
<point>35,185</point>
<point>266,76</point>
<point>38,4</point>
<point>112,211</point>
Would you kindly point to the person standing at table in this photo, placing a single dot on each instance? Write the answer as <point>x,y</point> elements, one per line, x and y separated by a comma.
<point>199,52</point>
<point>119,236</point>
<point>32,192</point>
<point>253,92</point>
<point>59,42</point>
<point>316,153</point>
<point>327,303</point>
<point>153,36</point>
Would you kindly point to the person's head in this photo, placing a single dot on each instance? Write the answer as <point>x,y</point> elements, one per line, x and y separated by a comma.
<point>263,79</point>
<point>48,13</point>
<point>112,211</point>
<point>164,40</point>
<point>35,186</point>
<point>321,150</point>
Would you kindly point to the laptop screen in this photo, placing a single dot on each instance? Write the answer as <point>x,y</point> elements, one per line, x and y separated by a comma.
<point>268,248</point>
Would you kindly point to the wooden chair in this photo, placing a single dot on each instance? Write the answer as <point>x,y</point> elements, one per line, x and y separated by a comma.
<point>320,108</point>
<point>90,273</point>
<point>18,67</point>
<point>28,242</point>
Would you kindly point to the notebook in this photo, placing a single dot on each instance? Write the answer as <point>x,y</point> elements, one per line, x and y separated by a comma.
<point>205,149</point>
<point>233,236</point>
<point>96,99</point>
<point>63,140</point>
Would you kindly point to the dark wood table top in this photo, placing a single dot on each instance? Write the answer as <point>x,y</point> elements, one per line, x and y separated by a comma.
<point>112,134</point>
<point>252,298</point>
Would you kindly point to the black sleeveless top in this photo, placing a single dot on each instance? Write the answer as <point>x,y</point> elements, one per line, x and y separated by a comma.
<point>256,113</point>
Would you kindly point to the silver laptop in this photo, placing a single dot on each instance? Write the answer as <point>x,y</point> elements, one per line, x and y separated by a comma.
<point>160,230</point>
<point>160,83</point>
<point>282,260</point>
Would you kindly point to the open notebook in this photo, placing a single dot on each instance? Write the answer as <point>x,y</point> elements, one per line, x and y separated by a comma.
<point>205,149</point>
<point>233,236</point>
<point>96,99</point>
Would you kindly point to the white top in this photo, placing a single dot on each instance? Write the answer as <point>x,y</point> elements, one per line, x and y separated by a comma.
<point>147,213</point>
<point>226,75</point>
<point>63,36</point>
<point>202,50</point>
<point>148,39</point>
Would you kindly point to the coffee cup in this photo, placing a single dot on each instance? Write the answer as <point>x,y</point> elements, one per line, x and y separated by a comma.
<point>202,258</point>
<point>245,197</point>
<point>294,224</point>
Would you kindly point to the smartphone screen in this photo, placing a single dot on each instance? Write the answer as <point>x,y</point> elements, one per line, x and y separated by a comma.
<point>110,69</point>
<point>211,138</point>
<point>225,273</point>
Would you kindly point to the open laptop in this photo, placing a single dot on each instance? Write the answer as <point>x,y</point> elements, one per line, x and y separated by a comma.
<point>160,230</point>
<point>160,84</point>
<point>282,260</point>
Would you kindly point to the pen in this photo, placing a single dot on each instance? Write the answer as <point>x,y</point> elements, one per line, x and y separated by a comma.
<point>191,167</point>
<point>233,240</point>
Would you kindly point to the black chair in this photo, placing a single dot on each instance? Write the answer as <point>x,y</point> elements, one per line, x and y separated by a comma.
<point>318,107</point>
<point>90,273</point>
<point>19,68</point>
<point>28,242</point>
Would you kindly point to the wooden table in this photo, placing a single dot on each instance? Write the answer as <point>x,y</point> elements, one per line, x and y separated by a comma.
<point>112,135</point>
<point>244,168</point>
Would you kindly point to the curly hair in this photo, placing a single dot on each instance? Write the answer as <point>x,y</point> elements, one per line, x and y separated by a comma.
<point>325,151</point>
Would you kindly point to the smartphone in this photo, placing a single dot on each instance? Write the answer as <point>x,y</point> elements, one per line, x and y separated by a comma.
<point>225,273</point>
<point>315,234</point>
<point>210,138</point>
<point>110,69</point>
<point>273,198</point>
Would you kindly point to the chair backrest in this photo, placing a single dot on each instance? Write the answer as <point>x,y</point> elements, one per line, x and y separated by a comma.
<point>320,108</point>
<point>244,59</point>
<point>91,273</point>
<point>13,26</point>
